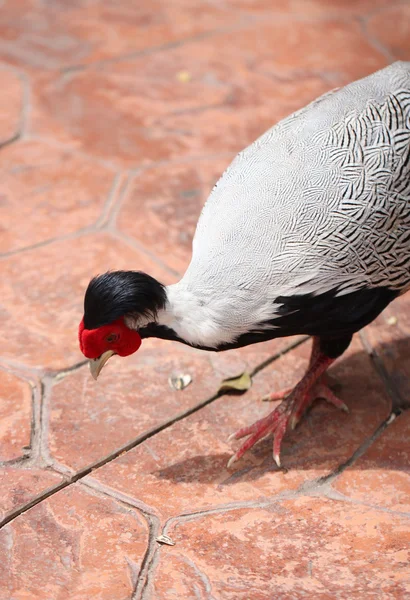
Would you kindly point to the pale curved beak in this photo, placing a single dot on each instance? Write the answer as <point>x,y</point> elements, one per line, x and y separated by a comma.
<point>96,364</point>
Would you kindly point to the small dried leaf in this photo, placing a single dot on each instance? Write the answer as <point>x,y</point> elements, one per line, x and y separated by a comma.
<point>164,539</point>
<point>241,383</point>
<point>184,76</point>
<point>179,381</point>
<point>392,321</point>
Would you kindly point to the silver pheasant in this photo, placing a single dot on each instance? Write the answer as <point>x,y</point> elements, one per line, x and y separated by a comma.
<point>307,231</point>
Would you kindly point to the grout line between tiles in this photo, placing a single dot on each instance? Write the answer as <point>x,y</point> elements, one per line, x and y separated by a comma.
<point>130,241</point>
<point>319,488</point>
<point>153,524</point>
<point>62,238</point>
<point>373,40</point>
<point>327,479</point>
<point>133,443</point>
<point>110,201</point>
<point>123,186</point>
<point>398,403</point>
<point>245,21</point>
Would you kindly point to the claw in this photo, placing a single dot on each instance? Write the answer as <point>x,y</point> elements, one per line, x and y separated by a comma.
<point>231,461</point>
<point>293,422</point>
<point>231,437</point>
<point>323,391</point>
<point>276,458</point>
<point>277,440</point>
<point>290,411</point>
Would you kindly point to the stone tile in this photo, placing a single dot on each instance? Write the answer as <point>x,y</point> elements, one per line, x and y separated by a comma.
<point>59,35</point>
<point>19,486</point>
<point>35,36</point>
<point>381,476</point>
<point>47,192</point>
<point>73,545</point>
<point>233,93</point>
<point>164,217</point>
<point>302,548</point>
<point>308,9</point>
<point>89,420</point>
<point>389,335</point>
<point>391,27</point>
<point>186,463</point>
<point>11,105</point>
<point>235,362</point>
<point>277,50</point>
<point>209,97</point>
<point>43,291</point>
<point>15,416</point>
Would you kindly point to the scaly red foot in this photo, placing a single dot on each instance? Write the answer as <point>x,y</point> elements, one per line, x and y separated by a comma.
<point>287,414</point>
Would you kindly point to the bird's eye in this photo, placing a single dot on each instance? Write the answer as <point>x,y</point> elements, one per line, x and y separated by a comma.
<point>113,337</point>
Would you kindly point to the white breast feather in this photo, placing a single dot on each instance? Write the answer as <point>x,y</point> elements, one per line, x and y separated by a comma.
<point>320,201</point>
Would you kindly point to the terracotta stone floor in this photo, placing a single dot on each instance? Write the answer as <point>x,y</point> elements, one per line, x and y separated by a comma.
<point>116,119</point>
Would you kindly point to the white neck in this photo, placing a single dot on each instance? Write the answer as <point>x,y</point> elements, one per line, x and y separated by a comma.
<point>197,319</point>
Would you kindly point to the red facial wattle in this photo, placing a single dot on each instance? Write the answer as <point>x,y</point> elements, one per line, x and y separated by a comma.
<point>115,336</point>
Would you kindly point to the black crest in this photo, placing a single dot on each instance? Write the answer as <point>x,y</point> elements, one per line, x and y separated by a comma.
<point>117,293</point>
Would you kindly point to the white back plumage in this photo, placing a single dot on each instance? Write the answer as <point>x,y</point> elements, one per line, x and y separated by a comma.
<point>320,201</point>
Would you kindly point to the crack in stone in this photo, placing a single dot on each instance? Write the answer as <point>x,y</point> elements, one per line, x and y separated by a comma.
<point>203,576</point>
<point>200,574</point>
<point>133,568</point>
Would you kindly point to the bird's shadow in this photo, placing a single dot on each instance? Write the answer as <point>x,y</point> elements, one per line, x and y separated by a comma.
<point>325,437</point>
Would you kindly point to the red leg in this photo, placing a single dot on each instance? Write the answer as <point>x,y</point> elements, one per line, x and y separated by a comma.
<point>320,390</point>
<point>274,396</point>
<point>290,410</point>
